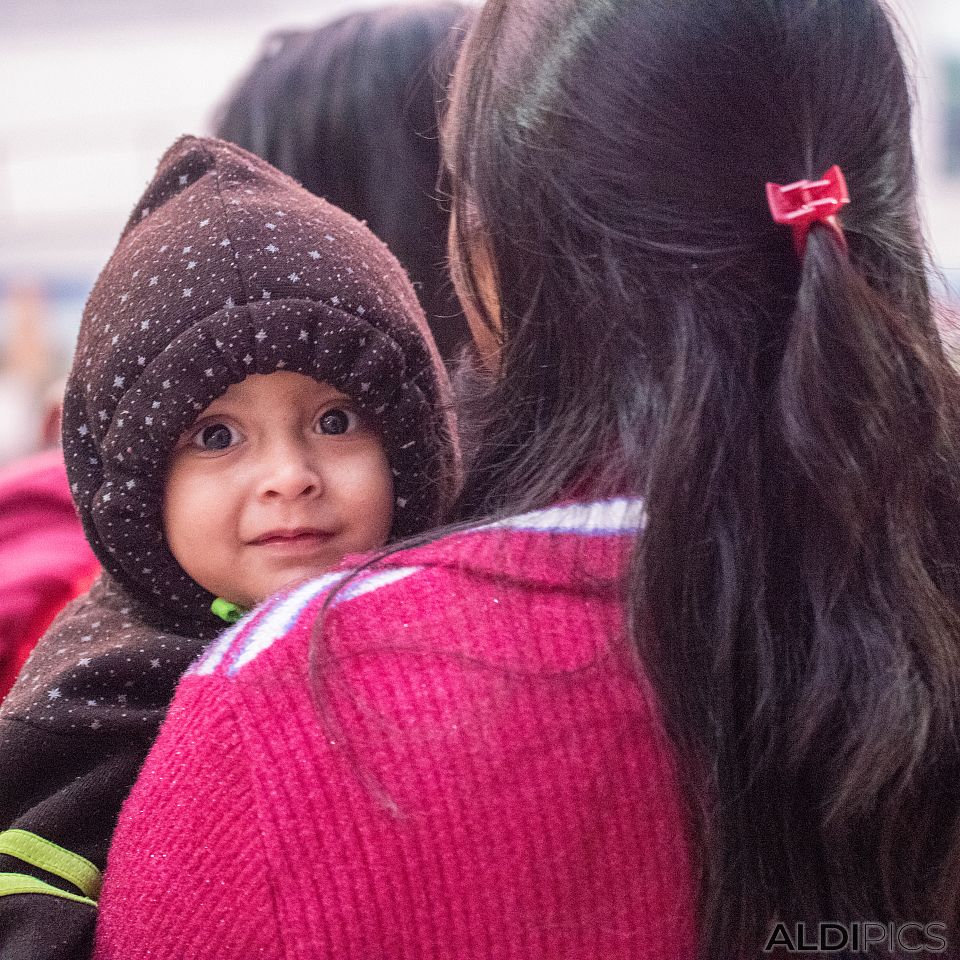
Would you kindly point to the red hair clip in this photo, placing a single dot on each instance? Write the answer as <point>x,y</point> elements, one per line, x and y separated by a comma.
<point>806,202</point>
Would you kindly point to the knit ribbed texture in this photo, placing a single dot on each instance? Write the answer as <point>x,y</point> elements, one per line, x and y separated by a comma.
<point>217,915</point>
<point>479,774</point>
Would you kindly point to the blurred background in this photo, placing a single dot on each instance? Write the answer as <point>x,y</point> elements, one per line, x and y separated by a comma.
<point>95,90</point>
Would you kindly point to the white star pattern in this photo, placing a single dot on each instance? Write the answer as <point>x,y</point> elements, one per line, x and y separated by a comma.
<point>54,694</point>
<point>188,291</point>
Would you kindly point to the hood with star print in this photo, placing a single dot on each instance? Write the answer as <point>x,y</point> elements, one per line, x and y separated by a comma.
<point>227,267</point>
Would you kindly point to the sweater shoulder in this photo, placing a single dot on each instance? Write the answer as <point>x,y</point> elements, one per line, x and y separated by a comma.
<point>551,578</point>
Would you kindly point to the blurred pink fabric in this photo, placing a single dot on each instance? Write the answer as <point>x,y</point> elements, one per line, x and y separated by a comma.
<point>44,558</point>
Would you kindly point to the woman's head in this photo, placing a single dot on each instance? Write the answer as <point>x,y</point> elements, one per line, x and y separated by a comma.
<point>642,135</point>
<point>350,111</point>
<point>790,421</point>
<point>609,160</point>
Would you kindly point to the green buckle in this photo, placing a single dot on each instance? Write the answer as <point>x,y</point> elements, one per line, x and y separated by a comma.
<point>226,610</point>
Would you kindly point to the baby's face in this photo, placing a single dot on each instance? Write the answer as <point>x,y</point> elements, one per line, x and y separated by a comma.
<point>276,481</point>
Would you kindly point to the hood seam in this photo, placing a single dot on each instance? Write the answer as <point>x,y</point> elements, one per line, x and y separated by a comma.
<point>215,169</point>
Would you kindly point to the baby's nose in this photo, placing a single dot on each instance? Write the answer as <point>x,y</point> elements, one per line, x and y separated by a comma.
<point>290,473</point>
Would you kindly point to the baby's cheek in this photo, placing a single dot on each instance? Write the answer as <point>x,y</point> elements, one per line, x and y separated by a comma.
<point>199,514</point>
<point>366,486</point>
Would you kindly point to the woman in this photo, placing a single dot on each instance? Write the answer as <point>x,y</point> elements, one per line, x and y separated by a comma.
<point>551,734</point>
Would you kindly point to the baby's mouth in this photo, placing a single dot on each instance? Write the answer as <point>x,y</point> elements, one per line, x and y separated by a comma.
<point>293,537</point>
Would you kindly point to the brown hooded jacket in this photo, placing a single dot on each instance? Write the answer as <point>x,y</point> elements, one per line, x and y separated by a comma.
<point>225,268</point>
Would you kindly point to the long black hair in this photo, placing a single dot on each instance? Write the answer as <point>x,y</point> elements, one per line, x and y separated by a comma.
<point>791,422</point>
<point>350,111</point>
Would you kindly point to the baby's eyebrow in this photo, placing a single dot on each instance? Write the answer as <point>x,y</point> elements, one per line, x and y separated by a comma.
<point>218,412</point>
<point>335,396</point>
<point>239,407</point>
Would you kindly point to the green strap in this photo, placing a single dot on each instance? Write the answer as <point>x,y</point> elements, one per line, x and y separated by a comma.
<point>11,883</point>
<point>56,860</point>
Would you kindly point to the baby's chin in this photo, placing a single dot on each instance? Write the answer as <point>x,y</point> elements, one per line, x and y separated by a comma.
<point>284,583</point>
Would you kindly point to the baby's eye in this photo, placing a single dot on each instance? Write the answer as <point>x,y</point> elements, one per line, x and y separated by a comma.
<point>216,436</point>
<point>338,421</point>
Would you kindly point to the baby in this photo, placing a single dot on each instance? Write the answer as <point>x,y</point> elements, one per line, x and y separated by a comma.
<point>254,396</point>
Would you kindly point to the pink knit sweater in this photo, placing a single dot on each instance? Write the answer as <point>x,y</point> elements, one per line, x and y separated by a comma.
<point>472,770</point>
